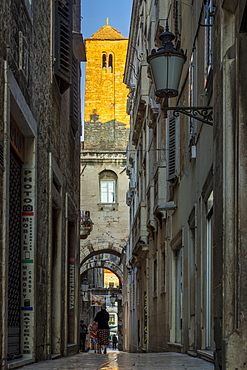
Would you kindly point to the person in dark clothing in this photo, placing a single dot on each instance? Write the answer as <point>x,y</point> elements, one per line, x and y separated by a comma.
<point>83,333</point>
<point>102,318</point>
<point>114,342</point>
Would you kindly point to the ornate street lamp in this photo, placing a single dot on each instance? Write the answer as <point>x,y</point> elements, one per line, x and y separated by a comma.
<point>113,299</point>
<point>166,66</point>
<point>84,286</point>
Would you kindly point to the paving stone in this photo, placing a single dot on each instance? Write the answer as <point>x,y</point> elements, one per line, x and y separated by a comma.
<point>115,360</point>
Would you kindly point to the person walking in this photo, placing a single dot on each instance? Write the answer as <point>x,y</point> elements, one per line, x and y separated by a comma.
<point>102,318</point>
<point>83,333</point>
<point>114,341</point>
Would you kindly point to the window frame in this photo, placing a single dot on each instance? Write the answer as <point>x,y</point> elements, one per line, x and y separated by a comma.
<point>109,198</point>
<point>108,178</point>
<point>208,39</point>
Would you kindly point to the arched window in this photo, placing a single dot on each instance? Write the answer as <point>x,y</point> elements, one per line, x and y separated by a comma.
<point>108,185</point>
<point>104,61</point>
<point>110,62</point>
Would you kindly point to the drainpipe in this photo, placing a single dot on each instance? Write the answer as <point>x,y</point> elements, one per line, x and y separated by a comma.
<point>6,152</point>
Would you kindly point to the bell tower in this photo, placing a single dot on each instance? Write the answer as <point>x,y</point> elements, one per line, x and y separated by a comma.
<point>106,120</point>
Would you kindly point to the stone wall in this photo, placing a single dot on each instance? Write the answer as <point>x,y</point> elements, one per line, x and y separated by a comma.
<point>30,96</point>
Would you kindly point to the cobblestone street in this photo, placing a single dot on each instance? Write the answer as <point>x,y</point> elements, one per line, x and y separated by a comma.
<point>115,360</point>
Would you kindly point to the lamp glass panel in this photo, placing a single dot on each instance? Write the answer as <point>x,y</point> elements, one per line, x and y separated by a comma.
<point>175,66</point>
<point>84,287</point>
<point>166,71</point>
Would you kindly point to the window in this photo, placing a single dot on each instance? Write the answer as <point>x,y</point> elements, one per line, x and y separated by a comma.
<point>178,294</point>
<point>63,44</point>
<point>110,61</point>
<point>164,271</point>
<point>192,95</point>
<point>208,37</point>
<point>209,274</point>
<point>112,319</point>
<point>107,62</point>
<point>155,276</point>
<point>104,61</point>
<point>108,187</point>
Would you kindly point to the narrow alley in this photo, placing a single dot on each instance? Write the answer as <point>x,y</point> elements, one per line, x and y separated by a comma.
<point>115,360</point>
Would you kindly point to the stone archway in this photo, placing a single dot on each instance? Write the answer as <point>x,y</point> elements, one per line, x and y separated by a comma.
<point>89,250</point>
<point>116,269</point>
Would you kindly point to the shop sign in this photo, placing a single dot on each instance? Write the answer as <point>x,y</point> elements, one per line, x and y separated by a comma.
<point>27,259</point>
<point>145,318</point>
<point>98,300</point>
<point>71,303</point>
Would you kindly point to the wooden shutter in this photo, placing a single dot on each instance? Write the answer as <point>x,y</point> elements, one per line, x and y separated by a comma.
<point>173,149</point>
<point>1,157</point>
<point>63,44</point>
<point>75,97</point>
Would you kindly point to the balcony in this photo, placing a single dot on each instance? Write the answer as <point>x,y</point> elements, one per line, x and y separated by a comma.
<point>160,186</point>
<point>86,225</point>
<point>151,222</point>
<point>140,102</point>
<point>139,230</point>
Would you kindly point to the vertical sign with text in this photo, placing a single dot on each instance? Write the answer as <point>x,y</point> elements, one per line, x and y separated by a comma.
<point>72,245</point>
<point>27,259</point>
<point>145,318</point>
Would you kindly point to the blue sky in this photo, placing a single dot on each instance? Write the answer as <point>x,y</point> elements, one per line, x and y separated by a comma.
<point>95,12</point>
<point>93,17</point>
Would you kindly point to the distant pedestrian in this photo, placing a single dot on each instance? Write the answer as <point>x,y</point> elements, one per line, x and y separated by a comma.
<point>114,341</point>
<point>102,319</point>
<point>83,334</point>
<point>93,328</point>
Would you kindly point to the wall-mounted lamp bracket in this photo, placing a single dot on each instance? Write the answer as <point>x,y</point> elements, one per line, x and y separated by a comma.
<point>203,114</point>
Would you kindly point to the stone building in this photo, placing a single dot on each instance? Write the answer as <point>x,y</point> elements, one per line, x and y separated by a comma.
<point>103,157</point>
<point>187,250</point>
<point>230,170</point>
<point>170,161</point>
<point>40,126</point>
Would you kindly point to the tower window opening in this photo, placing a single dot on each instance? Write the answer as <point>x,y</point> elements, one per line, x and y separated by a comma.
<point>110,62</point>
<point>104,61</point>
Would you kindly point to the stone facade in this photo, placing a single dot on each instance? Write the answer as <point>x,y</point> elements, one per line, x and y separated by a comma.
<point>186,253</point>
<point>168,258</point>
<point>103,156</point>
<point>39,182</point>
<point>230,169</point>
